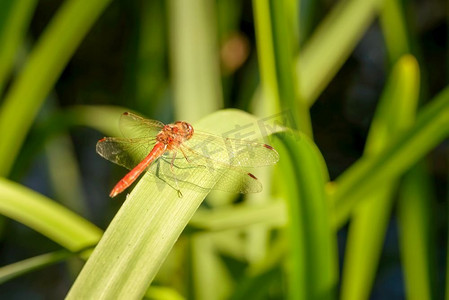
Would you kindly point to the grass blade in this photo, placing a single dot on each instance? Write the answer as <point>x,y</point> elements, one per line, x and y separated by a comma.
<point>47,217</point>
<point>370,219</point>
<point>331,44</point>
<point>31,264</point>
<point>45,64</point>
<point>240,216</point>
<point>196,72</point>
<point>266,57</point>
<point>415,242</point>
<point>284,41</point>
<point>312,269</point>
<point>14,19</point>
<point>394,29</point>
<point>162,293</point>
<point>430,128</point>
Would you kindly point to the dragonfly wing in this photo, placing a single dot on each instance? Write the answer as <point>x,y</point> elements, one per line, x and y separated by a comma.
<point>230,151</point>
<point>202,174</point>
<point>134,126</point>
<point>125,152</point>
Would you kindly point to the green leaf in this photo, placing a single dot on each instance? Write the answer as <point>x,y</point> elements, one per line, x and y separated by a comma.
<point>312,264</point>
<point>47,217</point>
<point>162,293</point>
<point>145,229</point>
<point>257,286</point>
<point>367,174</point>
<point>104,118</point>
<point>46,62</point>
<point>195,65</point>
<point>332,43</point>
<point>14,19</point>
<point>211,278</point>
<point>414,216</point>
<point>240,216</point>
<point>370,219</point>
<point>394,29</point>
<point>276,40</point>
<point>266,56</point>
<point>31,264</point>
<point>149,74</point>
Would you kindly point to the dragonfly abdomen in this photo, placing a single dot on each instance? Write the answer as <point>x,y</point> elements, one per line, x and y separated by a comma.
<point>129,178</point>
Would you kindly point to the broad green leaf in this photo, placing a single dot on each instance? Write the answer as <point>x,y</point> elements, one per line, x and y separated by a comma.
<point>370,218</point>
<point>142,233</point>
<point>45,63</point>
<point>367,174</point>
<point>47,217</point>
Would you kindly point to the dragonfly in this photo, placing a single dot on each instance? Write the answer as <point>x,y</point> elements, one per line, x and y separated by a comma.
<point>181,157</point>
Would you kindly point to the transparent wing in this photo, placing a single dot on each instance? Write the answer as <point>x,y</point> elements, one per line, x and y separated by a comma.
<point>229,151</point>
<point>202,175</point>
<point>134,126</point>
<point>125,152</point>
<point>196,173</point>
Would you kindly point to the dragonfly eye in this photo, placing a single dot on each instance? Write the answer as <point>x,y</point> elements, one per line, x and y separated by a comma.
<point>188,128</point>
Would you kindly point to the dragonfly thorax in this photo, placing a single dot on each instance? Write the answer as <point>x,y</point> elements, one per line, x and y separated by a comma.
<point>175,134</point>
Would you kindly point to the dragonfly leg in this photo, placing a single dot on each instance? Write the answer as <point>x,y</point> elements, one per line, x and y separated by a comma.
<point>185,156</point>
<point>160,177</point>
<point>172,163</point>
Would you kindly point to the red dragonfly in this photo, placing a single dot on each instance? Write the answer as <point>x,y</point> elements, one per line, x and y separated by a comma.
<point>181,157</point>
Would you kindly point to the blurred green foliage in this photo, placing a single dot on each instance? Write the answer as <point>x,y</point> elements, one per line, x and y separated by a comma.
<point>353,209</point>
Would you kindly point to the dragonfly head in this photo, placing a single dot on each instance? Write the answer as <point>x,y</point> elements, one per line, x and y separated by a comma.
<point>185,129</point>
